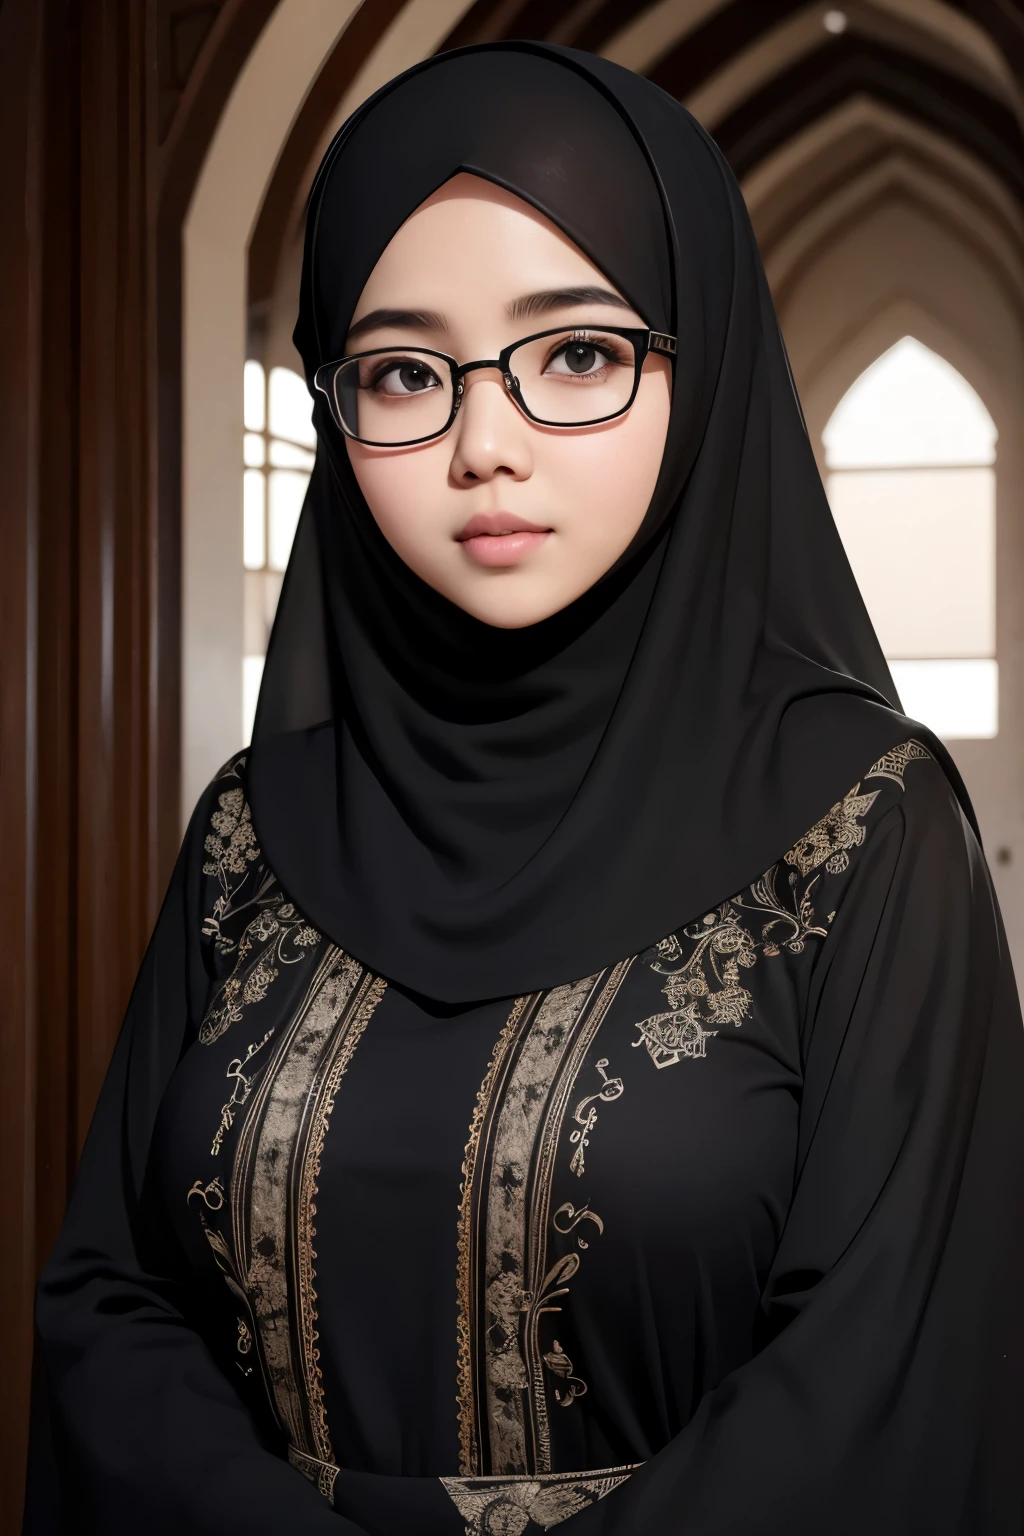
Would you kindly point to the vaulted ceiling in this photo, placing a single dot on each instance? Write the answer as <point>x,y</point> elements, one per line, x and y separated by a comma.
<point>760,74</point>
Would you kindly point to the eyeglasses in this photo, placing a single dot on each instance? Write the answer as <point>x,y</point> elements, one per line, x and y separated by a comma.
<point>395,397</point>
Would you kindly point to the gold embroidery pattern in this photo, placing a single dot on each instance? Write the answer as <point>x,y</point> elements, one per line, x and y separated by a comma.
<point>892,765</point>
<point>323,1474</point>
<point>273,1180</point>
<point>276,935</point>
<point>829,841</point>
<point>283,936</point>
<point>233,855</point>
<point>468,1449</point>
<point>504,1506</point>
<point>704,986</point>
<point>224,1260</point>
<point>212,1194</point>
<point>585,1114</point>
<point>545,1283</point>
<point>370,992</point>
<point>559,1364</point>
<point>511,1221</point>
<point>240,1092</point>
<point>506,1284</point>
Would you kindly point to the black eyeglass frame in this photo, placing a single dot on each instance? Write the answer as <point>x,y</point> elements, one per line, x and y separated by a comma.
<point>642,341</point>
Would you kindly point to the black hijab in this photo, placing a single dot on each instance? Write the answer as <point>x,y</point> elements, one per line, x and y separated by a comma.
<point>476,812</point>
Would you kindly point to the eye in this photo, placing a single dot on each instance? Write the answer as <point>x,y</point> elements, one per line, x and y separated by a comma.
<point>400,376</point>
<point>581,359</point>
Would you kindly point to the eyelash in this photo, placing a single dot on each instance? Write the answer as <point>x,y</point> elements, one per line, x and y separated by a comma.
<point>608,349</point>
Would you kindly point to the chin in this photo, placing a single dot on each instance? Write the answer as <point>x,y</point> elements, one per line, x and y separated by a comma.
<point>513,614</point>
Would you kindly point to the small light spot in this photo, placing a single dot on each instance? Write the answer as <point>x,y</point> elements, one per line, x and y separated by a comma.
<point>709,918</point>
<point>835,22</point>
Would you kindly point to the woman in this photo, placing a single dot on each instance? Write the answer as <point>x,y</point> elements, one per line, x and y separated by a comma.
<point>575,1075</point>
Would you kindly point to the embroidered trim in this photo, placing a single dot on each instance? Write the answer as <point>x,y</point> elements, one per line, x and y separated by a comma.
<point>371,990</point>
<point>504,1506</point>
<point>273,1180</point>
<point>465,1396</point>
<point>323,1474</point>
<point>506,1283</point>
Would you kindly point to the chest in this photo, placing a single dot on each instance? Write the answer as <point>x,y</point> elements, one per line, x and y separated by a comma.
<point>609,1148</point>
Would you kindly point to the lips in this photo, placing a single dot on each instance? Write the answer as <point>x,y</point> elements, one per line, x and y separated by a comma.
<point>500,538</point>
<point>496,524</point>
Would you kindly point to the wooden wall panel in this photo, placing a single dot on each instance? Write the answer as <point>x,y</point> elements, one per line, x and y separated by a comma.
<point>88,772</point>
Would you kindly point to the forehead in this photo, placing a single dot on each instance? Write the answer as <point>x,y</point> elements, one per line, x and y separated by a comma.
<point>471,239</point>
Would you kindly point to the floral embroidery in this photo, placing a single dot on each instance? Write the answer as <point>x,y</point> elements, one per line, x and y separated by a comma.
<point>830,839</point>
<point>234,860</point>
<point>702,988</point>
<point>703,963</point>
<point>286,937</point>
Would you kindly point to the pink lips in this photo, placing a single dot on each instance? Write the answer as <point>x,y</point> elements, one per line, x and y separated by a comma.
<point>500,538</point>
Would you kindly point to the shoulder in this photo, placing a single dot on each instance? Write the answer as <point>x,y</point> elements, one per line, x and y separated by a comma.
<point>903,815</point>
<point>231,880</point>
<point>224,820</point>
<point>906,788</point>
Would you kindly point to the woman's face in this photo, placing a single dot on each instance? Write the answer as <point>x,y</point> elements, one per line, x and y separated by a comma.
<point>510,520</point>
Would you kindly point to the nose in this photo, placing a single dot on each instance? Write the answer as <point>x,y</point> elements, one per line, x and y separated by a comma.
<point>491,436</point>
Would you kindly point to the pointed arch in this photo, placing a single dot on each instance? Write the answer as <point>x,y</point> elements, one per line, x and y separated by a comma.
<point>911,448</point>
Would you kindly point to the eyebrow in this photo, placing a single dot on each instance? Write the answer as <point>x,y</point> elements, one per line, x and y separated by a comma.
<point>520,309</point>
<point>407,319</point>
<point>563,298</point>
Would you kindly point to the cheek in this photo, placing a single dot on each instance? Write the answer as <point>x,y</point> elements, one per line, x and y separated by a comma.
<point>398,490</point>
<point>605,480</point>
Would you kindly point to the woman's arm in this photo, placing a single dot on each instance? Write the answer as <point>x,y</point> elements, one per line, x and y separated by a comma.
<point>887,1394</point>
<point>149,1434</point>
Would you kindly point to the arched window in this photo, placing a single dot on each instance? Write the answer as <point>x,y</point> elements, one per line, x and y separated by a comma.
<point>910,451</point>
<point>278,457</point>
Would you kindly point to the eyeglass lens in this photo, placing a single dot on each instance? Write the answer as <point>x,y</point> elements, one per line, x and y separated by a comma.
<point>571,377</point>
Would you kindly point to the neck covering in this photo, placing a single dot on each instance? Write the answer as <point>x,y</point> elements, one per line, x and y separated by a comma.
<point>476,812</point>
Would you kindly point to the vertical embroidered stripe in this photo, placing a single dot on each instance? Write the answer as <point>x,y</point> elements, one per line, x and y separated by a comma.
<point>273,1185</point>
<point>469,1449</point>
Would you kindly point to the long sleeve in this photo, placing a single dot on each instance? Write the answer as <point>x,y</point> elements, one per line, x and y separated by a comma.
<point>886,1392</point>
<point>149,1433</point>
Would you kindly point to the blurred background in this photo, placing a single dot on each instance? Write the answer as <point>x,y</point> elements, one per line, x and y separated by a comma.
<point>156,434</point>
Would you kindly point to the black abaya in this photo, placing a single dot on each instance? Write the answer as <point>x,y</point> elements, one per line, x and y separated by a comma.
<point>722,1238</point>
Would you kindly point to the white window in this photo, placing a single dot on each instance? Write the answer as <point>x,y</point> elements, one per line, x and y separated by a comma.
<point>278,457</point>
<point>910,451</point>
